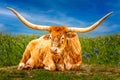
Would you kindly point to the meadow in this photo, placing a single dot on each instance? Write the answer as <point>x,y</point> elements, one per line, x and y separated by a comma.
<point>101,59</point>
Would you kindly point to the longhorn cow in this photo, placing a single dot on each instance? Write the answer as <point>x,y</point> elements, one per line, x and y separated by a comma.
<point>58,50</point>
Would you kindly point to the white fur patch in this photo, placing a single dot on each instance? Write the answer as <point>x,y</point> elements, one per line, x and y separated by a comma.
<point>29,61</point>
<point>21,66</point>
<point>51,67</point>
<point>68,66</point>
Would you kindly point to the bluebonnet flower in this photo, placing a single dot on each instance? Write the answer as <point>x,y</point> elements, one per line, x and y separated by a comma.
<point>96,51</point>
<point>87,55</point>
<point>118,64</point>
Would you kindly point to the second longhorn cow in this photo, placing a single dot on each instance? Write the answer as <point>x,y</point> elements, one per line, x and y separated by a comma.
<point>60,49</point>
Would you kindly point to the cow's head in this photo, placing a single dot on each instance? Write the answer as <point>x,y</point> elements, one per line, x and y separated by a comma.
<point>58,38</point>
<point>58,34</point>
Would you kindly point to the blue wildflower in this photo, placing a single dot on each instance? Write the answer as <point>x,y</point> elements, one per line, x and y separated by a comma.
<point>118,64</point>
<point>96,51</point>
<point>87,55</point>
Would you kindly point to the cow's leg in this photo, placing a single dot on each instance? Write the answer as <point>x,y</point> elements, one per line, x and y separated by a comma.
<point>29,64</point>
<point>77,65</point>
<point>73,66</point>
<point>59,62</point>
<point>68,66</point>
<point>49,63</point>
<point>26,56</point>
<point>21,66</point>
<point>50,67</point>
<point>60,67</point>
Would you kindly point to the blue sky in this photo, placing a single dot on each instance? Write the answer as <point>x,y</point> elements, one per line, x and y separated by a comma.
<point>78,13</point>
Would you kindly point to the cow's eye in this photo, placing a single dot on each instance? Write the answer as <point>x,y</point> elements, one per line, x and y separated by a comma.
<point>50,37</point>
<point>62,37</point>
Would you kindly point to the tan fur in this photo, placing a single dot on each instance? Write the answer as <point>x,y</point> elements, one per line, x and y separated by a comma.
<point>38,54</point>
<point>72,55</point>
<point>70,47</point>
<point>35,53</point>
<point>59,61</point>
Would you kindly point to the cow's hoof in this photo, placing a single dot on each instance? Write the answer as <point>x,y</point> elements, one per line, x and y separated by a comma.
<point>27,67</point>
<point>60,67</point>
<point>21,66</point>
<point>68,66</point>
<point>50,68</point>
<point>46,68</point>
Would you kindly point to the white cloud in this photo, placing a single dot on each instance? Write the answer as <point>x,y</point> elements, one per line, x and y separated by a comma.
<point>45,19</point>
<point>4,11</point>
<point>58,19</point>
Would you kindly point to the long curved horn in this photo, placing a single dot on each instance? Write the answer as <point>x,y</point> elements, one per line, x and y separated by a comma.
<point>27,23</point>
<point>83,30</point>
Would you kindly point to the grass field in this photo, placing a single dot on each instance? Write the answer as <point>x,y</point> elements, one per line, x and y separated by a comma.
<point>101,59</point>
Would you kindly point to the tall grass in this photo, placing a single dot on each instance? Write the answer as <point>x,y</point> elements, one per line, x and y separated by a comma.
<point>103,50</point>
<point>12,48</point>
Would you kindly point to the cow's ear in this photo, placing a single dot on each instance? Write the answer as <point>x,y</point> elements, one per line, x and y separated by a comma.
<point>71,35</point>
<point>46,37</point>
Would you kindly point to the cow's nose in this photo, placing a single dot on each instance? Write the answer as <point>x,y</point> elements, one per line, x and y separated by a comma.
<point>55,50</point>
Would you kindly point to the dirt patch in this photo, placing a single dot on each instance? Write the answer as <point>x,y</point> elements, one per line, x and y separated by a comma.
<point>9,68</point>
<point>90,69</point>
<point>85,69</point>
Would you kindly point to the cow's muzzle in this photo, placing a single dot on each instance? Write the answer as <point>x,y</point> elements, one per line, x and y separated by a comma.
<point>55,50</point>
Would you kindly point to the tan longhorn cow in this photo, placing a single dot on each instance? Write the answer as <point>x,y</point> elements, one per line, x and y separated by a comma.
<point>59,50</point>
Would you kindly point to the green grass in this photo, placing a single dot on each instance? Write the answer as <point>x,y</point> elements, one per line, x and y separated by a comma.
<point>103,50</point>
<point>100,54</point>
<point>91,73</point>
